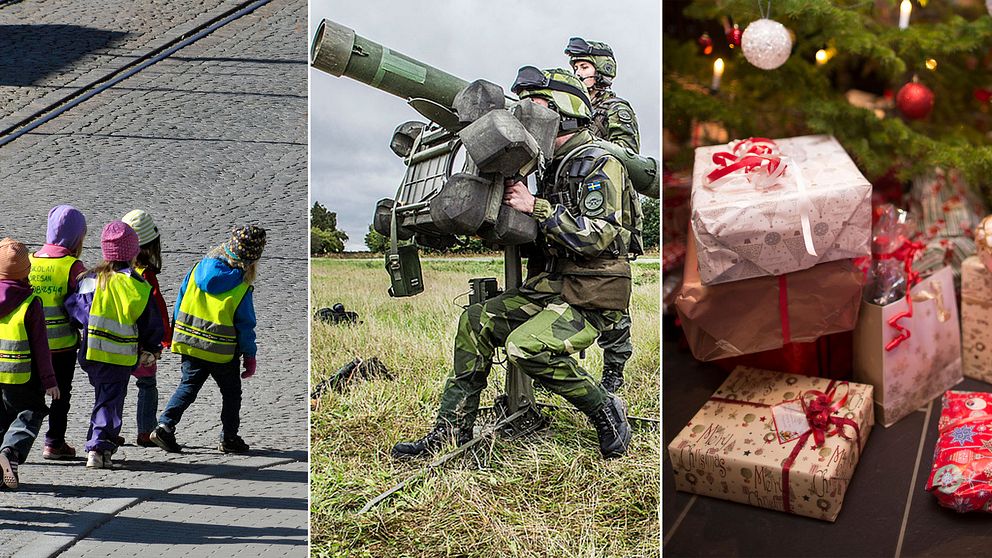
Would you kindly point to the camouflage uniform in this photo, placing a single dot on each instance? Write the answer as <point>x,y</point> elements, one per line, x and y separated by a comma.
<point>613,120</point>
<point>585,218</point>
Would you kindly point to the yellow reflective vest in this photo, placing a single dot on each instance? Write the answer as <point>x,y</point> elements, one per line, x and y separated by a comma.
<point>15,349</point>
<point>204,325</point>
<point>50,281</point>
<point>112,331</point>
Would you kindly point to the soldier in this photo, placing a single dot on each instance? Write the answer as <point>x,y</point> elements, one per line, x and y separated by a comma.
<point>612,117</point>
<point>584,214</point>
<point>613,120</point>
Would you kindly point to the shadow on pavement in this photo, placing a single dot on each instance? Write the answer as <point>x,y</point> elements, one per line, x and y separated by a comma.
<point>189,533</point>
<point>33,52</point>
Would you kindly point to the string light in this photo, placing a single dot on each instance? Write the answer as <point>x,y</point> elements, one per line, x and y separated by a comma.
<point>905,9</point>
<point>931,64</point>
<point>717,74</point>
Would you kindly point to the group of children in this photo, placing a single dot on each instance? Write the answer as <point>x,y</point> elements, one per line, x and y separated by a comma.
<point>113,320</point>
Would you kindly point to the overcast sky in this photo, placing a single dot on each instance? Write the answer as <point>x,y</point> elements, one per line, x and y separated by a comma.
<point>350,123</point>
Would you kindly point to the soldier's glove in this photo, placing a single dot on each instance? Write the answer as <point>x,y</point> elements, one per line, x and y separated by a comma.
<point>249,363</point>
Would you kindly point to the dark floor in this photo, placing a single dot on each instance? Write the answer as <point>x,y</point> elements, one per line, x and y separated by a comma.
<point>886,510</point>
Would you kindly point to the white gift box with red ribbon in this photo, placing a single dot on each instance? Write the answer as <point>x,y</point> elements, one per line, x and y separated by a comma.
<point>769,207</point>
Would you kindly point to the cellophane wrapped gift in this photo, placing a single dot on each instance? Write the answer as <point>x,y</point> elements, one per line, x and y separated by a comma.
<point>766,313</point>
<point>976,319</point>
<point>961,477</point>
<point>947,212</point>
<point>770,207</point>
<point>909,359</point>
<point>778,441</point>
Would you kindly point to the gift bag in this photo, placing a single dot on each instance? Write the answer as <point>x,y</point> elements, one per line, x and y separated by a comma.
<point>910,357</point>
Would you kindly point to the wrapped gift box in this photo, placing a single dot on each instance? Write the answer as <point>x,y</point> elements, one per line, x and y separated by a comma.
<point>976,319</point>
<point>921,367</point>
<point>830,356</point>
<point>742,231</point>
<point>948,212</point>
<point>752,442</point>
<point>766,313</point>
<point>961,476</point>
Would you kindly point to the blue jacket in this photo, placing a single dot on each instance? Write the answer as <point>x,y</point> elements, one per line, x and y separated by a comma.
<point>215,276</point>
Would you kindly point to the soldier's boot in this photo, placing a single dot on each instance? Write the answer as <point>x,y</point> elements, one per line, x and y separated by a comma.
<point>430,444</point>
<point>610,421</point>
<point>612,378</point>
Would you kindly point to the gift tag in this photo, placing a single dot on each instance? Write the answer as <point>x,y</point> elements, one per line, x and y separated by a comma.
<point>790,421</point>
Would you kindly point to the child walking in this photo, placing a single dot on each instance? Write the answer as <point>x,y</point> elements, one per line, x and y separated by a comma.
<point>55,270</point>
<point>119,323</point>
<point>148,264</point>
<point>26,373</point>
<point>214,321</point>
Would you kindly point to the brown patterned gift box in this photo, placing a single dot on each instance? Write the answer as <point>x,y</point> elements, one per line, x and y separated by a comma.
<point>778,441</point>
<point>765,313</point>
<point>976,319</point>
<point>922,366</point>
<point>743,230</point>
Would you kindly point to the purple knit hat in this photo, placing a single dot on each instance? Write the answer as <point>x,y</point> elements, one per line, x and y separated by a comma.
<point>66,226</point>
<point>119,242</point>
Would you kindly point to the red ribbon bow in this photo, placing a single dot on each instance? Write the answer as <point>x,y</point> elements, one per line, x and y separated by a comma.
<point>749,155</point>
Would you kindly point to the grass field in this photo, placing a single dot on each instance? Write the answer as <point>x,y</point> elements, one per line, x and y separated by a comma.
<point>549,495</point>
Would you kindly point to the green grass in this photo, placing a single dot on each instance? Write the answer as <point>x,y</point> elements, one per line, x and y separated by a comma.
<point>550,495</point>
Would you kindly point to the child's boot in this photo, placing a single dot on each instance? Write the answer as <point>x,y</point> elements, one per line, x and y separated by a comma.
<point>165,438</point>
<point>65,451</point>
<point>95,460</point>
<point>233,445</point>
<point>8,465</point>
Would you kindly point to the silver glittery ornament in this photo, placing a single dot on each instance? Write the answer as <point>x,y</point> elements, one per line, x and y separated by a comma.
<point>766,44</point>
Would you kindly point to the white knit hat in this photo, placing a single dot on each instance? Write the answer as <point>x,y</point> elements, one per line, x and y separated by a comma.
<point>142,224</point>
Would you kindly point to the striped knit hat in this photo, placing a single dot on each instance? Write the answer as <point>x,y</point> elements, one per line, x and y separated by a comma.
<point>142,224</point>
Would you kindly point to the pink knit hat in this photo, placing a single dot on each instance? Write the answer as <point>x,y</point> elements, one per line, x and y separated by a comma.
<point>119,242</point>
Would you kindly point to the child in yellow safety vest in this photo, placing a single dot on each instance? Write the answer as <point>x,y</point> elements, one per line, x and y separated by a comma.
<point>214,328</point>
<point>148,264</point>
<point>25,362</point>
<point>55,269</point>
<point>120,327</point>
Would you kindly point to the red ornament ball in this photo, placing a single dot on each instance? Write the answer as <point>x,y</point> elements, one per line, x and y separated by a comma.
<point>915,101</point>
<point>734,36</point>
<point>705,44</point>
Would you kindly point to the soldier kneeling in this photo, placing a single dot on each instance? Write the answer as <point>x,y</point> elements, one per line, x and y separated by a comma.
<point>585,217</point>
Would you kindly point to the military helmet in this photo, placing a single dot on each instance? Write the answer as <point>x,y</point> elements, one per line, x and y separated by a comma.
<point>565,92</point>
<point>600,55</point>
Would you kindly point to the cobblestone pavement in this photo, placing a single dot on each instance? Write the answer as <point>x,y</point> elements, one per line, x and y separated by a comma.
<point>64,45</point>
<point>211,137</point>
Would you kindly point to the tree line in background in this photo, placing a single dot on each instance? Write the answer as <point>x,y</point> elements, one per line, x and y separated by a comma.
<point>325,238</point>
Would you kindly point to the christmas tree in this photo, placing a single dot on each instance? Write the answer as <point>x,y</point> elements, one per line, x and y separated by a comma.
<point>904,86</point>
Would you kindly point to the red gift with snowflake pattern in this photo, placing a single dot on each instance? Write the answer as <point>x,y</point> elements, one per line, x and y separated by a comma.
<point>961,477</point>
